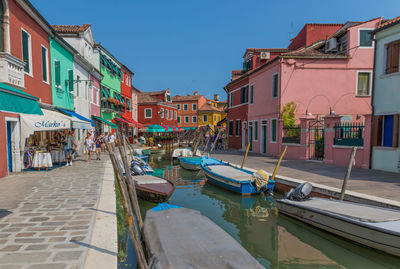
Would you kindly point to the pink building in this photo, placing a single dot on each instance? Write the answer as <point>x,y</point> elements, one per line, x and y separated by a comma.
<point>95,96</point>
<point>326,78</point>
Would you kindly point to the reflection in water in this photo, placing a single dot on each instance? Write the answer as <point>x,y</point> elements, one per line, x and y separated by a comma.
<point>275,240</point>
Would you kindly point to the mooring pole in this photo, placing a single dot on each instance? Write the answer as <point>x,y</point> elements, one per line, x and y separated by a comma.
<point>348,171</point>
<point>245,155</point>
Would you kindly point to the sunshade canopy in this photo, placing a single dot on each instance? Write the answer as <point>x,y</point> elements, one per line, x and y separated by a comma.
<point>155,128</point>
<point>132,121</point>
<point>106,122</point>
<point>17,101</point>
<point>83,123</point>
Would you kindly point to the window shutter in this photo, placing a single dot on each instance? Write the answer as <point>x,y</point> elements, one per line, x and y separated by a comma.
<point>395,142</point>
<point>44,64</point>
<point>376,136</point>
<point>70,80</point>
<point>25,51</point>
<point>58,74</point>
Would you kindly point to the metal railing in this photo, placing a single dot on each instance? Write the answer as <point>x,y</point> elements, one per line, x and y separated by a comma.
<point>349,134</point>
<point>291,135</point>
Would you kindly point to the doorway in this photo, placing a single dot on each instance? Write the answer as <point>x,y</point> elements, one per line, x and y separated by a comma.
<point>251,136</point>
<point>9,146</point>
<point>244,135</point>
<point>263,144</point>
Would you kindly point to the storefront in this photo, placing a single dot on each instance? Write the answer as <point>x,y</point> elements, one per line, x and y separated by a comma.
<point>42,137</point>
<point>105,126</point>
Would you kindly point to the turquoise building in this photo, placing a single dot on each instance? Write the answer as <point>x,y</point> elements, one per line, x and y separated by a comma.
<point>386,98</point>
<point>62,72</point>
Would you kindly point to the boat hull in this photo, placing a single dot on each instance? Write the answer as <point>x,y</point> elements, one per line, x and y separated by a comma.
<point>194,165</point>
<point>156,193</point>
<point>368,236</point>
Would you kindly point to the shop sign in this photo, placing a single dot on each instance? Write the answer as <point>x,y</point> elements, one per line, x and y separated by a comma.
<point>50,124</point>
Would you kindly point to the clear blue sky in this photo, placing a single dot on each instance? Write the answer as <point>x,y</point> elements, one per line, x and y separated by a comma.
<point>188,45</point>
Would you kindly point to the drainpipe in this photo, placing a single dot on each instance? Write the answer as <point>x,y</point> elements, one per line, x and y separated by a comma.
<point>372,99</point>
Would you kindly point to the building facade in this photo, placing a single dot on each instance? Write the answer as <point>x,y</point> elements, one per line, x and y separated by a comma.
<point>188,107</point>
<point>386,98</point>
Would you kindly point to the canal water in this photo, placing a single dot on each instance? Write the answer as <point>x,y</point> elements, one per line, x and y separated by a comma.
<point>274,239</point>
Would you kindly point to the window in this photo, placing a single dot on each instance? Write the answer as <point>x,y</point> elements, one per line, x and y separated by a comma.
<point>273,130</point>
<point>185,107</point>
<point>256,130</point>
<point>230,127</point>
<point>238,129</point>
<point>363,83</point>
<point>392,57</point>
<point>365,38</point>
<point>175,114</point>
<point>71,80</point>
<point>251,93</point>
<point>385,131</point>
<point>205,118</point>
<point>45,68</point>
<point>186,119</point>
<point>147,113</point>
<point>215,118</point>
<point>57,75</point>
<point>230,99</point>
<point>77,85</point>
<point>178,106</point>
<point>168,97</point>
<point>166,113</point>
<point>194,119</point>
<point>244,94</point>
<point>162,113</point>
<point>171,115</point>
<point>179,119</point>
<point>27,51</point>
<point>194,107</point>
<point>275,85</point>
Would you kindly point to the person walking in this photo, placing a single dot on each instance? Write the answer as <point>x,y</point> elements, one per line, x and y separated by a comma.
<point>111,139</point>
<point>88,147</point>
<point>69,145</point>
<point>99,142</point>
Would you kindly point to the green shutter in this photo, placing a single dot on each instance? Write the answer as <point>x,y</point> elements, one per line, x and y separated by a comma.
<point>71,80</point>
<point>57,73</point>
<point>44,64</point>
<point>25,50</point>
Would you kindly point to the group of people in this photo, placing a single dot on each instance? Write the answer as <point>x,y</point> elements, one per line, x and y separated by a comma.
<point>97,144</point>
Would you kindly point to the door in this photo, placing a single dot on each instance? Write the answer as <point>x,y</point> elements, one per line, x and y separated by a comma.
<point>9,146</point>
<point>251,137</point>
<point>264,138</point>
<point>316,140</point>
<point>244,136</point>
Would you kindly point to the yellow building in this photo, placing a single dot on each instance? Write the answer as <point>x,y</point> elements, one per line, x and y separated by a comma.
<point>212,112</point>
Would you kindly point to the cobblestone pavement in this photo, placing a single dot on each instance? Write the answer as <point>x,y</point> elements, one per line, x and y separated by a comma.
<point>49,219</point>
<point>372,182</point>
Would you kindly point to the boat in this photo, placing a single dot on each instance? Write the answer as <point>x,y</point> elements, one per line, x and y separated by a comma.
<point>235,179</point>
<point>177,237</point>
<point>187,152</point>
<point>371,226</point>
<point>153,189</point>
<point>190,163</point>
<point>156,150</point>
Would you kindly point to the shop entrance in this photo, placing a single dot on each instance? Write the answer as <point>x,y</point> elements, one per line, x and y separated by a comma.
<point>9,146</point>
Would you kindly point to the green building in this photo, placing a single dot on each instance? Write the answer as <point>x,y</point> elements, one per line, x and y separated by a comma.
<point>62,71</point>
<point>111,97</point>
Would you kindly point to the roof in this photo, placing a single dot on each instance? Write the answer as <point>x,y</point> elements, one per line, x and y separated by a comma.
<point>144,97</point>
<point>312,51</point>
<point>126,68</point>
<point>265,50</point>
<point>186,98</point>
<point>71,29</point>
<point>387,24</point>
<point>208,107</point>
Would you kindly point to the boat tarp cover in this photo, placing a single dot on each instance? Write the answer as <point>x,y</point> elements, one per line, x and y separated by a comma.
<point>183,238</point>
<point>191,160</point>
<point>230,172</point>
<point>209,160</point>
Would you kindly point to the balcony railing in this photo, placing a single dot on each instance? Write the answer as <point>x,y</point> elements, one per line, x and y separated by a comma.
<point>11,70</point>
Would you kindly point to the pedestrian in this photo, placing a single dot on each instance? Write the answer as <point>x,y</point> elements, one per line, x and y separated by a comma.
<point>111,139</point>
<point>69,145</point>
<point>99,142</point>
<point>88,147</point>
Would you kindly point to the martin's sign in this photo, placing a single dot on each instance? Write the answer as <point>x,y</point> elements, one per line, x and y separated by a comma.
<point>50,124</point>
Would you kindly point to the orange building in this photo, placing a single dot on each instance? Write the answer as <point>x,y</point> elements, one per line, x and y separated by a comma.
<point>187,109</point>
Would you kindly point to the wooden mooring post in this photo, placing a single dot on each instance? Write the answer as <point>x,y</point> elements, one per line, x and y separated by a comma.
<point>128,201</point>
<point>348,172</point>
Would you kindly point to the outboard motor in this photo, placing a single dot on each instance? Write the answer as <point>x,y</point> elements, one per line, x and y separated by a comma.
<point>300,193</point>
<point>260,181</point>
<point>136,168</point>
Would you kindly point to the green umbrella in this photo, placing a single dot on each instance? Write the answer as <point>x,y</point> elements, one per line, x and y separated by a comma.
<point>155,128</point>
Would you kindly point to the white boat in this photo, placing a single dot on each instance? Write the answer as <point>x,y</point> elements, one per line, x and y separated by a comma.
<point>190,163</point>
<point>372,226</point>
<point>184,153</point>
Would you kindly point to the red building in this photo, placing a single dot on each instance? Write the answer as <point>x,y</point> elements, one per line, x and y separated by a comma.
<point>156,108</point>
<point>187,108</point>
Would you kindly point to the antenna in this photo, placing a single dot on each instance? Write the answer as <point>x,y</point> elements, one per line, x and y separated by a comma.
<point>291,32</point>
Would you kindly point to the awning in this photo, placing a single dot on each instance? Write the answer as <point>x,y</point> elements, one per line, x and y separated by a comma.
<point>83,123</point>
<point>167,128</point>
<point>188,128</point>
<point>124,121</point>
<point>17,101</point>
<point>106,122</point>
<point>155,128</point>
<point>177,129</point>
<point>132,121</point>
<point>49,121</point>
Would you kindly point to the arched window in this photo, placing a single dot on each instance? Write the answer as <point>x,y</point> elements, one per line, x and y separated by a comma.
<point>1,26</point>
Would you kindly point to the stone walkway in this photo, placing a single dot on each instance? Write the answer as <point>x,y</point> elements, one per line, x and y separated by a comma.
<point>372,182</point>
<point>46,218</point>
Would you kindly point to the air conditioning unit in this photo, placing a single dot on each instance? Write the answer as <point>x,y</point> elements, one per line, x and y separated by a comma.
<point>331,45</point>
<point>264,55</point>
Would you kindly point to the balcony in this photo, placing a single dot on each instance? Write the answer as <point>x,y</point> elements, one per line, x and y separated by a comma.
<point>11,70</point>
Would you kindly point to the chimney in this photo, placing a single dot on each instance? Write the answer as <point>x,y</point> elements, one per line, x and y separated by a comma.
<point>195,92</point>
<point>216,97</point>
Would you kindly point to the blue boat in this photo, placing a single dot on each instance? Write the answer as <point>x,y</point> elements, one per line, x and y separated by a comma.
<point>145,158</point>
<point>190,163</point>
<point>233,178</point>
